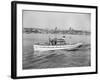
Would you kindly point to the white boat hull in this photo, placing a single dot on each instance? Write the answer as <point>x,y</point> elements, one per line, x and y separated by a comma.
<point>55,47</point>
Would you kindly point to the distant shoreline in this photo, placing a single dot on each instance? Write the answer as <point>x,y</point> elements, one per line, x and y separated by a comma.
<point>43,31</point>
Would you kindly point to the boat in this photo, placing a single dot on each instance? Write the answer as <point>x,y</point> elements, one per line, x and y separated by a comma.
<point>56,47</point>
<point>56,44</point>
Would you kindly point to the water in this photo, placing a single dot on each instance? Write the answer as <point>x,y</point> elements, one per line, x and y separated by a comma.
<point>57,58</point>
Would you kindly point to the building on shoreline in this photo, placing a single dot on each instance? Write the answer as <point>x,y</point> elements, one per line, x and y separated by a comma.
<point>69,31</point>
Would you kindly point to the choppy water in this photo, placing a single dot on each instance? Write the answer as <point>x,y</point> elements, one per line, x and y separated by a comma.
<point>56,58</point>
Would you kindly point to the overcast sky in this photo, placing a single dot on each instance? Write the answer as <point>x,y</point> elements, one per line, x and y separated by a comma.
<point>61,20</point>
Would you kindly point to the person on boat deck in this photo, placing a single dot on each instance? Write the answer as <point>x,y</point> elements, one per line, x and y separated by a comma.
<point>53,41</point>
<point>63,37</point>
<point>50,41</point>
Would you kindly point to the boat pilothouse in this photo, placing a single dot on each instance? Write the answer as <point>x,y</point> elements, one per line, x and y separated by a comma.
<point>55,44</point>
<point>56,41</point>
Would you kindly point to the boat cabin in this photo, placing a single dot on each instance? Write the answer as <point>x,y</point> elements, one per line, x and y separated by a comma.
<point>56,41</point>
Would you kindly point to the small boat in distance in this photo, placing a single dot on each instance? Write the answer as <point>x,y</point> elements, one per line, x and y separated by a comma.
<point>55,44</point>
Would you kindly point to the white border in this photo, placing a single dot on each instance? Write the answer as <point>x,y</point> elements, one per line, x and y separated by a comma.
<point>35,72</point>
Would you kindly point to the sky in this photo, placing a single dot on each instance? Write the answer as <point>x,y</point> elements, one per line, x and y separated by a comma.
<point>61,20</point>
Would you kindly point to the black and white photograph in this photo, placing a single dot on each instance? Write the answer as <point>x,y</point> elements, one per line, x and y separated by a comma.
<point>55,39</point>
